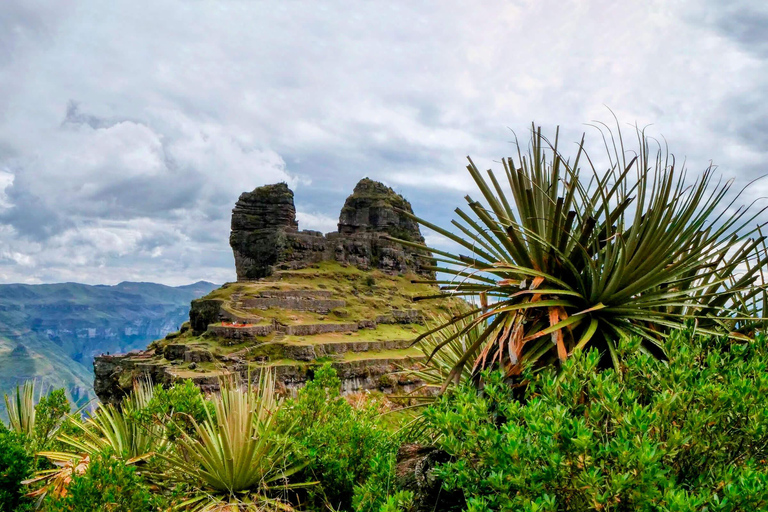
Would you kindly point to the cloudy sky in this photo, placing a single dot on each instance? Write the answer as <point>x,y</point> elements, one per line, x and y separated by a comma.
<point>129,128</point>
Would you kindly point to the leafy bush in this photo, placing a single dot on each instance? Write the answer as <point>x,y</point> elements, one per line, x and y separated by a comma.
<point>177,408</point>
<point>50,412</point>
<point>379,490</point>
<point>16,465</point>
<point>690,434</point>
<point>339,441</point>
<point>108,485</point>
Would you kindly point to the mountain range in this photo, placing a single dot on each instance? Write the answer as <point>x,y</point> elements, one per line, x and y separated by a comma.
<point>51,332</point>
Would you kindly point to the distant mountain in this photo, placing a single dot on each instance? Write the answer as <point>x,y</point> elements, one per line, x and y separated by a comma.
<point>52,331</point>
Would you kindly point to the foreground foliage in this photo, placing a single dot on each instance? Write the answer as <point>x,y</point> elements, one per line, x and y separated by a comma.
<point>687,434</point>
<point>565,256</point>
<point>239,456</point>
<point>341,443</point>
<point>108,484</point>
<point>691,434</point>
<point>16,465</point>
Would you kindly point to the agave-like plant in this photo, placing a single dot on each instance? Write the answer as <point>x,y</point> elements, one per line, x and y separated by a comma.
<point>567,261</point>
<point>108,429</point>
<point>21,408</point>
<point>116,429</point>
<point>236,455</point>
<point>455,339</point>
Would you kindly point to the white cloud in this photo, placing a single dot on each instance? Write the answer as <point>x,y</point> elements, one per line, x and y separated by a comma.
<point>317,222</point>
<point>128,130</point>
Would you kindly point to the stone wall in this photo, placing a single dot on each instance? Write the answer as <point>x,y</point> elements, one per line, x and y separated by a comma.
<point>265,233</point>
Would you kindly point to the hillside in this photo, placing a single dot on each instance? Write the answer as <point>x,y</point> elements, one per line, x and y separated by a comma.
<point>53,331</point>
<point>302,298</point>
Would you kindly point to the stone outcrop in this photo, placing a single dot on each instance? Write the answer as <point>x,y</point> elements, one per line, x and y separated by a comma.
<point>260,221</point>
<point>302,299</point>
<point>265,233</point>
<point>415,472</point>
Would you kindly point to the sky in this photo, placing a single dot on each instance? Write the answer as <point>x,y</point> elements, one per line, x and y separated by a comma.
<point>128,129</point>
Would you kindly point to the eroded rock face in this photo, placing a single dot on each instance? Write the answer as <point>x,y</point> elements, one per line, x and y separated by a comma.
<point>372,208</point>
<point>265,233</point>
<point>260,221</point>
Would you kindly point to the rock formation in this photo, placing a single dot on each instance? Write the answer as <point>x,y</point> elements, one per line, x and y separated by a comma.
<point>265,234</point>
<point>302,299</point>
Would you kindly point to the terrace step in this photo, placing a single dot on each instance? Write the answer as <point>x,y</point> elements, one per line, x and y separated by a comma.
<point>298,294</point>
<point>291,302</point>
<point>313,329</point>
<point>309,352</point>
<point>237,333</point>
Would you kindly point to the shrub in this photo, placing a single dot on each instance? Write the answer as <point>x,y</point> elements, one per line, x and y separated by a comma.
<point>379,488</point>
<point>339,441</point>
<point>690,434</point>
<point>15,466</point>
<point>108,485</point>
<point>176,408</point>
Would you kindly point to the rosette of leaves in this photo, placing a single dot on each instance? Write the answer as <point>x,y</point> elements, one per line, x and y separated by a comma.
<point>561,258</point>
<point>108,429</point>
<point>237,458</point>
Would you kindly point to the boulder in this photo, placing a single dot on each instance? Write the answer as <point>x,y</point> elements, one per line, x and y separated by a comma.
<point>415,472</point>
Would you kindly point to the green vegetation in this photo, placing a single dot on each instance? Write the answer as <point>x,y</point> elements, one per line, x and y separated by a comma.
<point>617,360</point>
<point>339,442</point>
<point>16,465</point>
<point>686,434</point>
<point>689,434</point>
<point>564,262</point>
<point>50,332</point>
<point>108,484</point>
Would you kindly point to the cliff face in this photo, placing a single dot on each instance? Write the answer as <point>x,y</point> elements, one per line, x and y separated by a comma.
<point>302,299</point>
<point>52,332</point>
<point>265,234</point>
<point>260,221</point>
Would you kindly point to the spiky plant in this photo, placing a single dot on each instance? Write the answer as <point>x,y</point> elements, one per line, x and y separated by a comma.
<point>454,340</point>
<point>108,429</point>
<point>21,408</point>
<point>236,455</point>
<point>567,260</point>
<point>115,429</point>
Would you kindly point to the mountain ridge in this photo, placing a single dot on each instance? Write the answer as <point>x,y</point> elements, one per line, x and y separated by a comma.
<point>51,332</point>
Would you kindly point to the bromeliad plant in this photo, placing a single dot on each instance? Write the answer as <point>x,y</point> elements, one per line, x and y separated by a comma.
<point>565,262</point>
<point>237,455</point>
<point>107,430</point>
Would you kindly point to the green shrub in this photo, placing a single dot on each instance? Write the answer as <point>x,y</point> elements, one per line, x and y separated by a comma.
<point>177,408</point>
<point>108,485</point>
<point>379,490</point>
<point>687,434</point>
<point>15,466</point>
<point>339,441</point>
<point>50,412</point>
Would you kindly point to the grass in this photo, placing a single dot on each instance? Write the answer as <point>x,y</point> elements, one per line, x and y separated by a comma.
<point>368,294</point>
<point>383,332</point>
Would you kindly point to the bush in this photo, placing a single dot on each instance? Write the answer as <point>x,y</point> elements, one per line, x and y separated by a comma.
<point>108,485</point>
<point>687,434</point>
<point>15,466</point>
<point>339,441</point>
<point>378,492</point>
<point>177,408</point>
